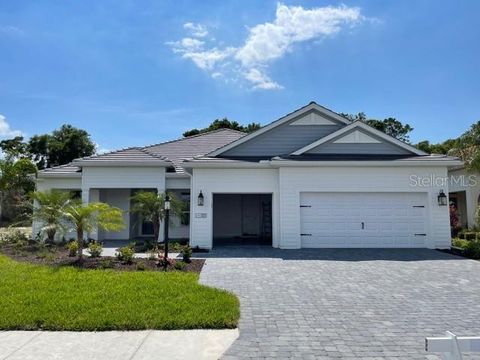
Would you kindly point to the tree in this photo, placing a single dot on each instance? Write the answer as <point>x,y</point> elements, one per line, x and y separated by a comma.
<point>151,207</point>
<point>68,143</point>
<point>14,148</point>
<point>37,148</point>
<point>223,124</point>
<point>389,126</point>
<point>16,181</point>
<point>50,209</point>
<point>467,147</point>
<point>392,127</point>
<point>84,218</point>
<point>439,148</point>
<point>46,150</point>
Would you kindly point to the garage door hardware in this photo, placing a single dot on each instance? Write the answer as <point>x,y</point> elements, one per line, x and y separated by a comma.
<point>306,206</point>
<point>363,225</point>
<point>420,234</point>
<point>305,234</point>
<point>419,206</point>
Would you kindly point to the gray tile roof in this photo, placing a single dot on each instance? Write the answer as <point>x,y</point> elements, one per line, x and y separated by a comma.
<point>130,154</point>
<point>187,148</point>
<point>173,152</point>
<point>63,170</point>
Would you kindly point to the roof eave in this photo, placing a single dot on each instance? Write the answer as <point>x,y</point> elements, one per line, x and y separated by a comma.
<point>356,163</point>
<point>132,163</point>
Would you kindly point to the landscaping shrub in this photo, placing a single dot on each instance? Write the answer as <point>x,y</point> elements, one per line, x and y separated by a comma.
<point>106,264</point>
<point>141,266</point>
<point>126,254</point>
<point>95,249</point>
<point>164,262</point>
<point>179,265</point>
<point>72,247</point>
<point>152,255</point>
<point>470,235</point>
<point>473,249</point>
<point>187,254</point>
<point>461,243</point>
<point>14,237</point>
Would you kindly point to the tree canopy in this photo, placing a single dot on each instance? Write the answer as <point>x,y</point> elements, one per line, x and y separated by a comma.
<point>223,124</point>
<point>389,126</point>
<point>46,150</point>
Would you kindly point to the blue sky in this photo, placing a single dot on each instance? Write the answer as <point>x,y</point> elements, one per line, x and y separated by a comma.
<point>135,73</point>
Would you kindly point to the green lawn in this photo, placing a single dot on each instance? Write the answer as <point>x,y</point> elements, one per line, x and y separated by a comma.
<point>66,298</point>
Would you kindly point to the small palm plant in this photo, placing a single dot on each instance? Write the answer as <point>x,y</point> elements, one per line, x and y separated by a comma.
<point>84,218</point>
<point>49,210</point>
<point>151,207</point>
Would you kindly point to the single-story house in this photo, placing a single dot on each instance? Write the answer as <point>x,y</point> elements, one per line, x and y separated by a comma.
<point>310,179</point>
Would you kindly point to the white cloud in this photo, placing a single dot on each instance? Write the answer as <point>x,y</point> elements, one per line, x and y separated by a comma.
<point>5,130</point>
<point>206,60</point>
<point>265,42</point>
<point>261,81</point>
<point>101,150</point>
<point>197,30</point>
<point>270,41</point>
<point>11,30</point>
<point>186,44</point>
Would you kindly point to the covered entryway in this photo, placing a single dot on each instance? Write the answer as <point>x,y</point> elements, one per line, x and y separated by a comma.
<point>359,220</point>
<point>242,219</point>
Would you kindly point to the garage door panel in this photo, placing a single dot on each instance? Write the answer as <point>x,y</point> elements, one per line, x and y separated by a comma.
<point>389,219</point>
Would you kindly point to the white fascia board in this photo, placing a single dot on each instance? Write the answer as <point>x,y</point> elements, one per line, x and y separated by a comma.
<point>309,107</point>
<point>353,163</point>
<point>367,128</point>
<point>227,165</point>
<point>132,163</point>
<point>58,175</point>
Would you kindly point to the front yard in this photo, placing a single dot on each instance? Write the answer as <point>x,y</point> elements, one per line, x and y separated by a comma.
<point>70,298</point>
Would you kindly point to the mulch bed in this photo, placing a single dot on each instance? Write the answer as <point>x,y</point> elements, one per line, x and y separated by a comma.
<point>59,256</point>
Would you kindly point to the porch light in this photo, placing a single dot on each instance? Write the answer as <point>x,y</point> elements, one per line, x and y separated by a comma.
<point>167,202</point>
<point>200,199</point>
<point>442,199</point>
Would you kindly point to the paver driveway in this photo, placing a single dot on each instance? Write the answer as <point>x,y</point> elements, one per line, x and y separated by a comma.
<point>346,303</point>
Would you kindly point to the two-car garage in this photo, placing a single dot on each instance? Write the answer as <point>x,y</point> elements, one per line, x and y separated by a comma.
<point>361,220</point>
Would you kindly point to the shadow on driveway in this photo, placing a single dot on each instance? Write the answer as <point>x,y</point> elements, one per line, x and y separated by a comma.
<point>328,254</point>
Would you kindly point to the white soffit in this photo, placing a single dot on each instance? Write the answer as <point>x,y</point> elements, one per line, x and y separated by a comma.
<point>313,119</point>
<point>357,137</point>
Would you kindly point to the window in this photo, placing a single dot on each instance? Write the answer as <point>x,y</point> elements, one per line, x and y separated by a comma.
<point>147,228</point>
<point>185,216</point>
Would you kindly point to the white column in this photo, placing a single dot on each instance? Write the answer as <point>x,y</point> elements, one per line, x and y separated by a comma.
<point>161,233</point>
<point>94,197</point>
<point>471,205</point>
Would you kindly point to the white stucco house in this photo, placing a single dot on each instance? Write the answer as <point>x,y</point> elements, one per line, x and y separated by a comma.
<point>309,179</point>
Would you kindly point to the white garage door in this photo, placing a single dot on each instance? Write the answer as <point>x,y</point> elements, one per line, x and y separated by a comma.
<point>363,220</point>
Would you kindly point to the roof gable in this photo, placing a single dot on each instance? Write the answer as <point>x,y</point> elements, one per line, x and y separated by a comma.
<point>295,128</point>
<point>356,138</point>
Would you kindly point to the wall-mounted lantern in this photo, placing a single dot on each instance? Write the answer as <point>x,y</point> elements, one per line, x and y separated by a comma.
<point>442,199</point>
<point>200,199</point>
